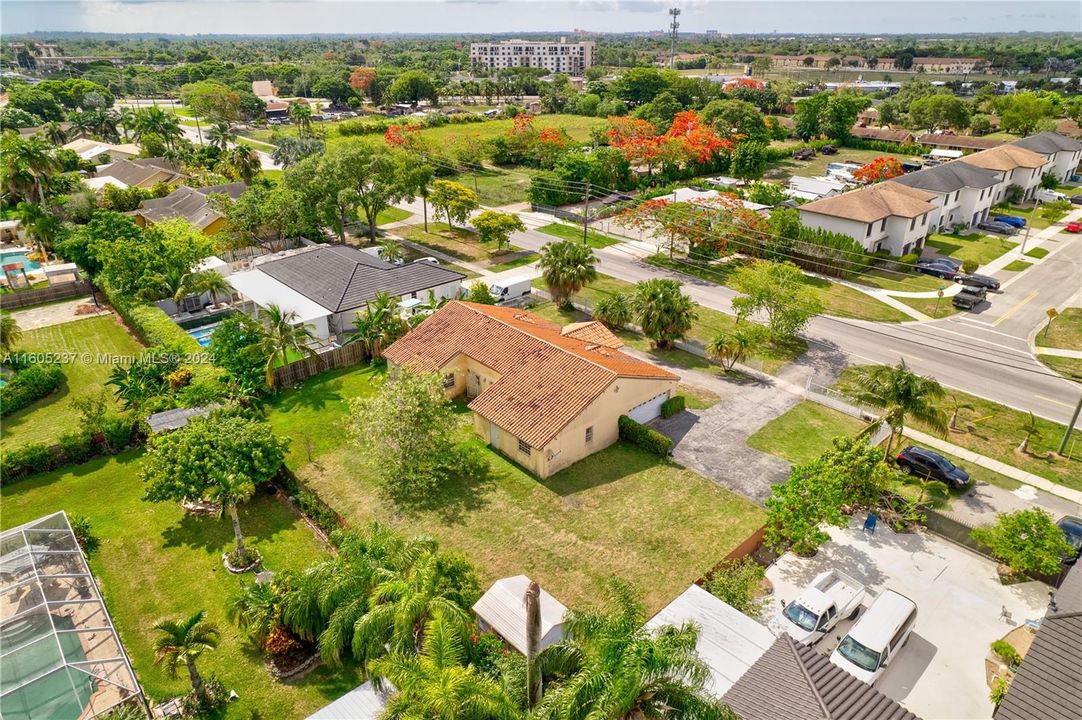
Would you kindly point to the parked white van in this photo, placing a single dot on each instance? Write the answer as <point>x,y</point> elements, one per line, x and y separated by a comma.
<point>877,637</point>
<point>1047,196</point>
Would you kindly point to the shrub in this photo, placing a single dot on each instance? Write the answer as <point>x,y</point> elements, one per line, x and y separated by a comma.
<point>645,437</point>
<point>25,461</point>
<point>1027,541</point>
<point>616,311</point>
<point>281,642</point>
<point>737,583</point>
<point>77,447</point>
<point>117,432</point>
<point>673,405</point>
<point>999,691</point>
<point>1006,653</point>
<point>486,650</point>
<point>29,385</point>
<point>191,706</point>
<point>84,534</point>
<point>969,266</point>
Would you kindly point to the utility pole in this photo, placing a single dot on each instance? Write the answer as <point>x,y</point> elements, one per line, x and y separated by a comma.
<point>673,27</point>
<point>1029,226</point>
<point>1070,427</point>
<point>586,214</point>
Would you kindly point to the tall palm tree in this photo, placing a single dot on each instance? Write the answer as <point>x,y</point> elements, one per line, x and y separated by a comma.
<point>221,134</point>
<point>532,601</point>
<point>729,348</point>
<point>126,121</point>
<point>55,134</point>
<point>40,224</point>
<point>665,313</point>
<point>244,162</point>
<point>176,284</point>
<point>282,336</point>
<point>301,113</point>
<point>181,642</point>
<point>626,672</point>
<point>378,325</point>
<point>10,333</point>
<point>229,492</point>
<point>437,684</point>
<point>900,394</point>
<point>567,267</point>
<point>214,283</point>
<point>155,121</point>
<point>27,162</point>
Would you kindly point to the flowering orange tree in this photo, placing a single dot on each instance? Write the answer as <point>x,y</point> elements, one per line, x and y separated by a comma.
<point>402,136</point>
<point>360,79</point>
<point>697,139</point>
<point>688,140</point>
<point>878,170</point>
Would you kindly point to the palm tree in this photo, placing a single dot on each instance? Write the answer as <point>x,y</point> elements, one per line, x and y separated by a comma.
<point>900,393</point>
<point>244,162</point>
<point>567,267</point>
<point>230,491</point>
<point>10,333</point>
<point>291,150</point>
<point>437,684</point>
<point>378,325</point>
<point>221,134</point>
<point>257,608</point>
<point>625,671</point>
<point>1032,430</point>
<point>176,284</point>
<point>283,335</point>
<point>214,283</point>
<point>391,250</point>
<point>27,162</point>
<point>532,601</point>
<point>616,311</point>
<point>181,642</point>
<point>731,348</point>
<point>301,113</point>
<point>126,120</point>
<point>55,134</point>
<point>665,313</point>
<point>956,405</point>
<point>155,121</point>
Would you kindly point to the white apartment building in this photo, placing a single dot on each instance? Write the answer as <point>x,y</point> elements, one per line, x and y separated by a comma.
<point>887,216</point>
<point>571,58</point>
<point>964,193</point>
<point>1014,165</point>
<point>1062,152</point>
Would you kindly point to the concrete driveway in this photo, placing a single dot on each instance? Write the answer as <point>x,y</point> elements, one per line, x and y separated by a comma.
<point>961,609</point>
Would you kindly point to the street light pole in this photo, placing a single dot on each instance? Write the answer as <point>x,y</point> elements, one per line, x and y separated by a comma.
<point>1070,427</point>
<point>1029,226</point>
<point>586,214</point>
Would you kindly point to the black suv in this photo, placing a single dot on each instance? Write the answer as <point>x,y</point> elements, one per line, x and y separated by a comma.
<point>970,297</point>
<point>915,460</point>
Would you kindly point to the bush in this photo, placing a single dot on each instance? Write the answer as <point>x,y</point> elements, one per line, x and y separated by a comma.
<point>25,461</point>
<point>969,266</point>
<point>647,438</point>
<point>737,583</point>
<point>1006,653</point>
<point>77,447</point>
<point>117,432</point>
<point>1027,541</point>
<point>29,385</point>
<point>84,535</point>
<point>193,707</point>
<point>320,513</point>
<point>999,691</point>
<point>673,405</point>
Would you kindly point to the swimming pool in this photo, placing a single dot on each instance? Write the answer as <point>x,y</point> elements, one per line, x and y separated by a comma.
<point>17,256</point>
<point>202,334</point>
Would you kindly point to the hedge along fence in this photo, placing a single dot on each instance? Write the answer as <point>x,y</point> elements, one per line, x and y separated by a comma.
<point>26,298</point>
<point>117,433</point>
<point>32,382</point>
<point>672,406</point>
<point>645,437</point>
<point>308,501</point>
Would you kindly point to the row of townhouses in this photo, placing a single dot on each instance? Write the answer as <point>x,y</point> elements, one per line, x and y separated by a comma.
<point>899,214</point>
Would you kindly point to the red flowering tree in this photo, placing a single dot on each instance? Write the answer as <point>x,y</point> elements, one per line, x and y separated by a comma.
<point>698,140</point>
<point>360,79</point>
<point>878,170</point>
<point>403,136</point>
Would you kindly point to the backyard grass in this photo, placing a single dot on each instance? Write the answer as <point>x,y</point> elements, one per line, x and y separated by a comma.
<point>817,166</point>
<point>155,561</point>
<point>1016,266</point>
<point>1064,332</point>
<point>977,247</point>
<point>995,431</point>
<point>275,176</point>
<point>574,232</point>
<point>391,214</point>
<point>82,345</point>
<point>1037,252</point>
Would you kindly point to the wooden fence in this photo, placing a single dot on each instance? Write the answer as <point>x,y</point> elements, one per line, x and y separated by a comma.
<point>305,368</point>
<point>26,298</point>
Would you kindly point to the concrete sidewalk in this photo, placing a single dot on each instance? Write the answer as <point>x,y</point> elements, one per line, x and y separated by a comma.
<point>1059,352</point>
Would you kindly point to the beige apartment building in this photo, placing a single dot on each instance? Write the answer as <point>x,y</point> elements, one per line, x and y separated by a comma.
<point>571,58</point>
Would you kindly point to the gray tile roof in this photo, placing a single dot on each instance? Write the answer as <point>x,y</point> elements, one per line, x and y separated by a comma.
<point>342,278</point>
<point>1048,143</point>
<point>178,417</point>
<point>192,204</point>
<point>1048,686</point>
<point>135,172</point>
<point>364,702</point>
<point>793,681</point>
<point>949,177</point>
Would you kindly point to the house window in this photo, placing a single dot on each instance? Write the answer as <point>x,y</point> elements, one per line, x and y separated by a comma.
<point>524,447</point>
<point>912,223</point>
<point>590,434</point>
<point>923,219</point>
<point>957,195</point>
<point>883,225</point>
<point>869,233</point>
<point>449,381</point>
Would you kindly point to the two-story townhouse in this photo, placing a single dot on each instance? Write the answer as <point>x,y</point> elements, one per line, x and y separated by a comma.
<point>1014,165</point>
<point>888,216</point>
<point>1062,152</point>
<point>965,192</point>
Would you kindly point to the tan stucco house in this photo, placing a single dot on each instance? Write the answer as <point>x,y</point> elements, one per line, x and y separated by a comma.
<point>545,396</point>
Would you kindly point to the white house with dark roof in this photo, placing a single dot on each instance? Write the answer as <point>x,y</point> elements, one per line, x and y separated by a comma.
<point>1064,153</point>
<point>964,193</point>
<point>327,285</point>
<point>887,216</point>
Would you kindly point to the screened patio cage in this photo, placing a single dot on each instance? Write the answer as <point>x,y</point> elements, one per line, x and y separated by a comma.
<point>60,656</point>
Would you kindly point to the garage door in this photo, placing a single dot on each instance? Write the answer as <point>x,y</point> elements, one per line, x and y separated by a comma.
<point>649,409</point>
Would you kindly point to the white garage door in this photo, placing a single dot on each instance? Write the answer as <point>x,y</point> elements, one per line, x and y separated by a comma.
<point>648,410</point>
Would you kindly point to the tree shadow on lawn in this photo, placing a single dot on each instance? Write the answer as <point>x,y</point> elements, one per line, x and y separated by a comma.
<point>21,417</point>
<point>455,499</point>
<point>212,534</point>
<point>610,465</point>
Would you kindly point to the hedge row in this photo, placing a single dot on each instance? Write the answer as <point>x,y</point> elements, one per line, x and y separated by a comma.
<point>647,438</point>
<point>117,432</point>
<point>30,384</point>
<point>673,405</point>
<point>323,515</point>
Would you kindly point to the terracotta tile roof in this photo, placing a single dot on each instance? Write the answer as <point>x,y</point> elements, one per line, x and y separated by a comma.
<point>1005,158</point>
<point>592,332</point>
<point>874,202</point>
<point>545,378</point>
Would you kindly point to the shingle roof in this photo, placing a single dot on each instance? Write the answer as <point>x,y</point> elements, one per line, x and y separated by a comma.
<point>137,172</point>
<point>793,681</point>
<point>192,204</point>
<point>1048,143</point>
<point>1005,158</point>
<point>966,142</point>
<point>1048,686</point>
<point>949,177</point>
<point>546,378</point>
<point>874,202</point>
<point>343,278</point>
<point>884,134</point>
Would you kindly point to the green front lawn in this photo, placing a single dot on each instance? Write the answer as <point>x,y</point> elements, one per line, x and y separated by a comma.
<point>995,431</point>
<point>574,232</point>
<point>391,214</point>
<point>86,347</point>
<point>1037,252</point>
<point>1068,367</point>
<point>897,280</point>
<point>1064,332</point>
<point>523,258</point>
<point>497,187</point>
<point>977,247</point>
<point>156,561</point>
<point>695,397</point>
<point>932,307</point>
<point>1016,266</point>
<point>456,242</point>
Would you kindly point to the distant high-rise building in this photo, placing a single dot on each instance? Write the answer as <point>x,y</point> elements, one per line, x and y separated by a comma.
<point>571,58</point>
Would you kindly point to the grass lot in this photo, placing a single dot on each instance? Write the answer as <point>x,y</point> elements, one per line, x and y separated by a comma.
<point>696,398</point>
<point>897,280</point>
<point>523,258</point>
<point>978,247</point>
<point>52,416</point>
<point>1016,266</point>
<point>1037,252</point>
<point>994,431</point>
<point>1064,332</point>
<point>274,176</point>
<point>156,561</point>
<point>1068,367</point>
<point>391,214</point>
<point>932,307</point>
<point>620,512</point>
<point>838,300</point>
<point>498,186</point>
<point>572,232</point>
<point>784,169</point>
<point>456,242</point>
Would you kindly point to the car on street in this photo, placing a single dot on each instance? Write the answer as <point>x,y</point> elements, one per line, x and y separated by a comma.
<point>1012,220</point>
<point>969,297</point>
<point>936,269</point>
<point>877,638</point>
<point>1076,199</point>
<point>923,462</point>
<point>984,281</point>
<point>1072,529</point>
<point>1074,226</point>
<point>997,227</point>
<point>831,596</point>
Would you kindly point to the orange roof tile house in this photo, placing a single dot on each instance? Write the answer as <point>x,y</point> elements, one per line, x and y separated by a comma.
<point>543,395</point>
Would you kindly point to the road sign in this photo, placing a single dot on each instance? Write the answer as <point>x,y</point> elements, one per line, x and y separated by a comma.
<point>1051,313</point>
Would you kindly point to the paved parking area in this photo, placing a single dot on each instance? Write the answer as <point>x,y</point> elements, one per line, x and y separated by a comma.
<point>961,609</point>
<point>55,313</point>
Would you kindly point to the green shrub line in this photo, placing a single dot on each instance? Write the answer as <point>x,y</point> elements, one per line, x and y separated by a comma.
<point>645,437</point>
<point>117,433</point>
<point>308,501</point>
<point>673,405</point>
<point>32,382</point>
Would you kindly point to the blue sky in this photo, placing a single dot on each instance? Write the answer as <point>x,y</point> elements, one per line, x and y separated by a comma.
<point>508,16</point>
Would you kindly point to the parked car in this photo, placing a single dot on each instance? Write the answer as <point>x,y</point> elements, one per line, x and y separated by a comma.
<point>1074,226</point>
<point>430,260</point>
<point>1048,196</point>
<point>970,297</point>
<point>877,638</point>
<point>1012,220</point>
<point>1076,199</point>
<point>944,260</point>
<point>1072,528</point>
<point>936,269</point>
<point>997,227</point>
<point>832,596</point>
<point>982,281</point>
<point>914,460</point>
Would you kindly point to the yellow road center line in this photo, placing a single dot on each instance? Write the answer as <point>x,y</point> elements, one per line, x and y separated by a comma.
<point>1014,309</point>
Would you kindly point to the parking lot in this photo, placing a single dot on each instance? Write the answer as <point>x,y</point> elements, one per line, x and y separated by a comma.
<point>961,609</point>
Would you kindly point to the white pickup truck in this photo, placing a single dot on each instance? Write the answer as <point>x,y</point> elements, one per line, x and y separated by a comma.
<point>832,595</point>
